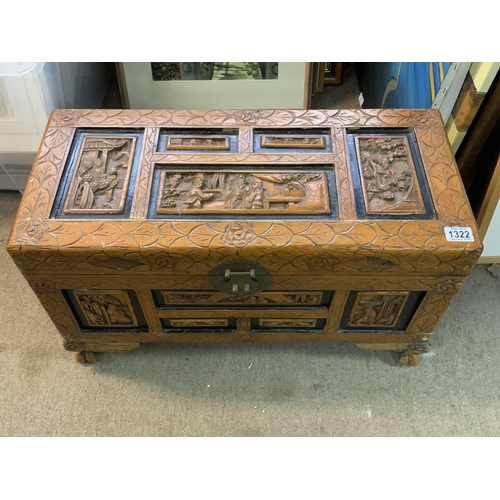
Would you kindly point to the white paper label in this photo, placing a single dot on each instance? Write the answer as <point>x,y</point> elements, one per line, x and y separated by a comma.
<point>459,233</point>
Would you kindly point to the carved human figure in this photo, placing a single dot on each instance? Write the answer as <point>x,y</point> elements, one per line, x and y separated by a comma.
<point>196,196</point>
<point>255,199</point>
<point>112,181</point>
<point>367,317</point>
<point>104,310</point>
<point>236,197</point>
<point>95,179</point>
<point>116,316</point>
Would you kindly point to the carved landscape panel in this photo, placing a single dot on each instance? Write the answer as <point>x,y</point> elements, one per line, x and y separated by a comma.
<point>293,142</point>
<point>202,143</point>
<point>377,309</point>
<point>198,323</point>
<point>243,192</point>
<point>262,299</point>
<point>103,308</point>
<point>287,323</point>
<point>101,176</point>
<point>388,177</point>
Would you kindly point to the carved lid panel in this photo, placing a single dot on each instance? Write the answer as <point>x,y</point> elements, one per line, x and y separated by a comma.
<point>98,178</point>
<point>299,192</point>
<point>199,140</point>
<point>251,191</point>
<point>388,175</point>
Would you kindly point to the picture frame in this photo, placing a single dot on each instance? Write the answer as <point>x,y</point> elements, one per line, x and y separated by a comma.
<point>290,90</point>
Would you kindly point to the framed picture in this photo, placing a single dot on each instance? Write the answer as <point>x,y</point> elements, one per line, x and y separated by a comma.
<point>333,73</point>
<point>325,73</point>
<point>214,85</point>
<point>174,71</point>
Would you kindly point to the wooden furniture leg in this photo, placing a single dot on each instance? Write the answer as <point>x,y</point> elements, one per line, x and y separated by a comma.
<point>84,357</point>
<point>410,353</point>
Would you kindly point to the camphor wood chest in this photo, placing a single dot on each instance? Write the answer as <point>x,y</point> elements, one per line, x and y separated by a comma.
<point>245,226</point>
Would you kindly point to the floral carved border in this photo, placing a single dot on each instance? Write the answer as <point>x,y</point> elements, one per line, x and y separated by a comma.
<point>257,118</point>
<point>193,247</point>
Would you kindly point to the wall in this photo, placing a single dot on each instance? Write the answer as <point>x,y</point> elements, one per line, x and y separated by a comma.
<point>491,241</point>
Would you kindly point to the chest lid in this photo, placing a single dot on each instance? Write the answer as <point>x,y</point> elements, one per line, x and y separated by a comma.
<point>298,192</point>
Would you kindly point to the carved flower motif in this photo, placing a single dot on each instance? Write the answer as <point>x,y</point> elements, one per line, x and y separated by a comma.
<point>69,116</point>
<point>447,287</point>
<point>238,234</point>
<point>33,230</point>
<point>423,119</point>
<point>251,116</point>
<point>321,262</point>
<point>44,284</point>
<point>162,261</point>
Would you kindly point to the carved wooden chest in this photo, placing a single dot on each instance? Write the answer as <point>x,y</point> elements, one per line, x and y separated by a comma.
<point>245,226</point>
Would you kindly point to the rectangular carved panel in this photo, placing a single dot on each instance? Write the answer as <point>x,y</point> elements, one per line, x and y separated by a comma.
<point>377,309</point>
<point>388,177</point>
<point>262,299</point>
<point>100,179</point>
<point>198,323</point>
<point>292,141</point>
<point>243,192</point>
<point>287,323</point>
<point>106,308</point>
<point>202,143</point>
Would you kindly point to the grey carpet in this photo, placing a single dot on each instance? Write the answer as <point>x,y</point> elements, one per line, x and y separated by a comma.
<point>211,390</point>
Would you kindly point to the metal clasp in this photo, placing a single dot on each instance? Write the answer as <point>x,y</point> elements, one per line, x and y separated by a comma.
<point>240,278</point>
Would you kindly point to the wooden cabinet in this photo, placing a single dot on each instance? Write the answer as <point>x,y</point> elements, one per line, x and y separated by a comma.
<point>245,226</point>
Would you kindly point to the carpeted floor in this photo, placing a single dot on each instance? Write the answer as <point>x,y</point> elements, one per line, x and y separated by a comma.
<point>247,390</point>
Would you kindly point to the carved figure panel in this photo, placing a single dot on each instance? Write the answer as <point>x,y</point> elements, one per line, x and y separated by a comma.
<point>238,192</point>
<point>293,141</point>
<point>388,175</point>
<point>197,323</point>
<point>103,308</point>
<point>101,176</point>
<point>377,309</point>
<point>287,323</point>
<point>202,143</point>
<point>262,299</point>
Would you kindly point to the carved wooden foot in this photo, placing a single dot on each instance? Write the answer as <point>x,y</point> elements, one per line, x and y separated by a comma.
<point>86,352</point>
<point>84,357</point>
<point>410,352</point>
<point>409,358</point>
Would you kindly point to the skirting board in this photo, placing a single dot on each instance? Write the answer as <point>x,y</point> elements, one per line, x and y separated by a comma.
<point>493,259</point>
<point>14,178</point>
